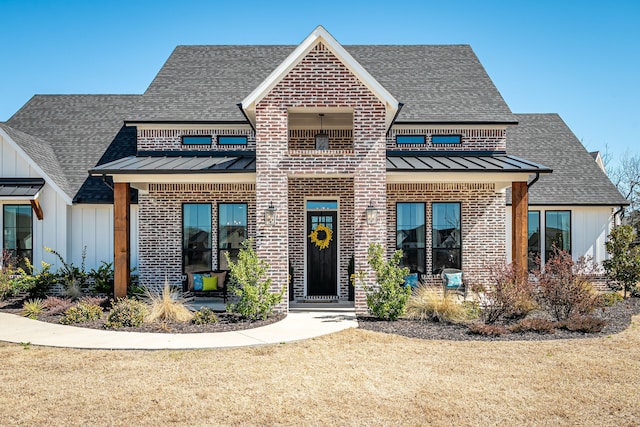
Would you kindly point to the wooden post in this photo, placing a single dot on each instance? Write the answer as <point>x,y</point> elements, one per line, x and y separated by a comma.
<point>121,238</point>
<point>519,226</point>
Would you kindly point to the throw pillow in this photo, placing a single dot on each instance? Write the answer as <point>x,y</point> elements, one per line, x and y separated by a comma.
<point>453,280</point>
<point>411,280</point>
<point>197,282</point>
<point>222,276</point>
<point>210,283</point>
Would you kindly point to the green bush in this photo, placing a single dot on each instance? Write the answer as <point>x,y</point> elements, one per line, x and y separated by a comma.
<point>32,308</point>
<point>541,326</point>
<point>249,281</point>
<point>565,290</point>
<point>623,267</point>
<point>81,312</point>
<point>204,316</point>
<point>126,312</point>
<point>610,299</point>
<point>388,298</point>
<point>103,278</point>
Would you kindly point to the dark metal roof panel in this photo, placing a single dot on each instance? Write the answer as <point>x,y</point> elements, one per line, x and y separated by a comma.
<point>433,162</point>
<point>20,187</point>
<point>177,164</point>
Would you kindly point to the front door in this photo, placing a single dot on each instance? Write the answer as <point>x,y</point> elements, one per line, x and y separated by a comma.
<point>322,253</point>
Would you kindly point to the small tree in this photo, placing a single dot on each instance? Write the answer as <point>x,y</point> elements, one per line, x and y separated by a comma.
<point>389,298</point>
<point>623,268</point>
<point>249,281</point>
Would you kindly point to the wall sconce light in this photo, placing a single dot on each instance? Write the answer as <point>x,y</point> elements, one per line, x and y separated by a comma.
<point>372,214</point>
<point>270,215</point>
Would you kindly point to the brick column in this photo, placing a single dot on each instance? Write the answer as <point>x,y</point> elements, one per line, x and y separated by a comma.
<point>519,227</point>
<point>272,188</point>
<point>121,238</point>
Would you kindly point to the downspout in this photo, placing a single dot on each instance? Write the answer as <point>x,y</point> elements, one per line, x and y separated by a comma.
<point>400,105</point>
<point>245,116</point>
<point>534,180</point>
<point>618,212</point>
<point>104,179</point>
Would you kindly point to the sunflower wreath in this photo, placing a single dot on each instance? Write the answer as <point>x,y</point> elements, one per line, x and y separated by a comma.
<point>321,243</point>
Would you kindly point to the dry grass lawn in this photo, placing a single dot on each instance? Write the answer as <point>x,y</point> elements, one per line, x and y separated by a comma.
<point>355,377</point>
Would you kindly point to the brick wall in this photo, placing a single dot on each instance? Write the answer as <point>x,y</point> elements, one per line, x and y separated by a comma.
<point>483,222</point>
<point>160,225</point>
<point>171,139</point>
<point>472,139</point>
<point>340,189</point>
<point>317,81</point>
<point>305,139</point>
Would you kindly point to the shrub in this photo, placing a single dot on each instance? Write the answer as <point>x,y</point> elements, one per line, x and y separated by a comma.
<point>487,330</point>
<point>167,305</point>
<point>55,305</point>
<point>249,281</point>
<point>81,312</point>
<point>510,295</point>
<point>387,300</point>
<point>103,278</point>
<point>32,308</point>
<point>428,303</point>
<point>74,279</point>
<point>204,316</point>
<point>610,299</point>
<point>565,290</point>
<point>585,324</point>
<point>126,312</point>
<point>40,282</point>
<point>623,267</point>
<point>541,326</point>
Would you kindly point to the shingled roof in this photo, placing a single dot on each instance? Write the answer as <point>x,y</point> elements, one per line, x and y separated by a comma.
<point>576,178</point>
<point>436,83</point>
<point>66,135</point>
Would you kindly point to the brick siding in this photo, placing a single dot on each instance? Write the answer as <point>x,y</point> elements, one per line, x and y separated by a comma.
<point>472,139</point>
<point>171,139</point>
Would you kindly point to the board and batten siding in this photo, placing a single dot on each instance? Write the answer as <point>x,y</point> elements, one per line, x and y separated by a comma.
<point>590,226</point>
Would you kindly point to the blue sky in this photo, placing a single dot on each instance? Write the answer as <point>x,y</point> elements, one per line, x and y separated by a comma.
<point>580,59</point>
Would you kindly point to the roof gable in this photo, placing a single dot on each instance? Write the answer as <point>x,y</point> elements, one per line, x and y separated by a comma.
<point>320,35</point>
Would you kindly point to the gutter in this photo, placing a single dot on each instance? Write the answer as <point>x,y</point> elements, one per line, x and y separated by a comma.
<point>400,105</point>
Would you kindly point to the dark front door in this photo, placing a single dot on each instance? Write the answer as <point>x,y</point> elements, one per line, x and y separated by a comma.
<point>322,253</point>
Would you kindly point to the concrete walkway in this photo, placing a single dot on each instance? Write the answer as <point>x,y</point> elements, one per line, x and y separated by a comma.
<point>298,325</point>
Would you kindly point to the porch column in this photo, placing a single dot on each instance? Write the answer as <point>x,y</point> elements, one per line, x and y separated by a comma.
<point>519,226</point>
<point>121,238</point>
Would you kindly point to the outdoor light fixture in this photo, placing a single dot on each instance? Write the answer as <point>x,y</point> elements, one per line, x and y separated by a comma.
<point>372,214</point>
<point>270,215</point>
<point>322,138</point>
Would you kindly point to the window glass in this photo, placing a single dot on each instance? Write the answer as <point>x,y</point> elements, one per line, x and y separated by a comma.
<point>410,235</point>
<point>196,237</point>
<point>446,237</point>
<point>533,248</point>
<point>232,231</point>
<point>446,139</point>
<point>196,140</point>
<point>410,139</point>
<point>557,232</point>
<point>232,140</point>
<point>322,204</point>
<point>18,233</point>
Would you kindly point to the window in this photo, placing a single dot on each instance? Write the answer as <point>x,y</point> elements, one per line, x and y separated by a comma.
<point>533,248</point>
<point>314,205</point>
<point>196,237</point>
<point>18,233</point>
<point>410,139</point>
<point>410,235</point>
<point>232,231</point>
<point>446,237</point>
<point>446,139</point>
<point>557,232</point>
<point>196,140</point>
<point>232,140</point>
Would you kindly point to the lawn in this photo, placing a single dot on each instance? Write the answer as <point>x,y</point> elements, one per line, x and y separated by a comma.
<point>354,377</point>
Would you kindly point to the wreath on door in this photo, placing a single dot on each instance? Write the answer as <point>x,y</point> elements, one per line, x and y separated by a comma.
<point>321,236</point>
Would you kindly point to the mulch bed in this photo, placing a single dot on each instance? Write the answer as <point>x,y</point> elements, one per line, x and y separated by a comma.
<point>618,318</point>
<point>226,322</point>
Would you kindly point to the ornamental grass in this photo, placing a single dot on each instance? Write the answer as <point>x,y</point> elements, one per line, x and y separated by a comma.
<point>167,305</point>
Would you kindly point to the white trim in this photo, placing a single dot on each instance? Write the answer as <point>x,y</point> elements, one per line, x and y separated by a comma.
<point>337,238</point>
<point>320,35</point>
<point>502,180</point>
<point>197,126</point>
<point>444,126</point>
<point>36,167</point>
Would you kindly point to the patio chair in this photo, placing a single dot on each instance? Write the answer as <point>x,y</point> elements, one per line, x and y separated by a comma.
<point>453,281</point>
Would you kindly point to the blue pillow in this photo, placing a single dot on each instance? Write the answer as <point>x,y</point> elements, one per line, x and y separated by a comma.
<point>453,280</point>
<point>197,282</point>
<point>411,280</point>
